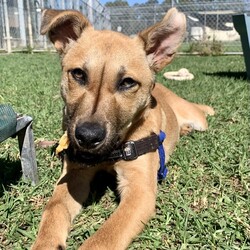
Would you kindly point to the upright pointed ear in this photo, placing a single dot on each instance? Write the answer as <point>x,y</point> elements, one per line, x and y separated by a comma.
<point>62,26</point>
<point>163,39</point>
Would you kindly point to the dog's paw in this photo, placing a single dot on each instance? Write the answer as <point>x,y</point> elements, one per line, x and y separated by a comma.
<point>210,111</point>
<point>46,246</point>
<point>186,129</point>
<point>93,245</point>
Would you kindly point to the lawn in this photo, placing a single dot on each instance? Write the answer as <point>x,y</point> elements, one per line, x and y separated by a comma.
<point>204,202</point>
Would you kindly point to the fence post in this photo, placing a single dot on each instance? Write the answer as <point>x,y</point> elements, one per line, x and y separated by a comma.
<point>7,26</point>
<point>21,23</point>
<point>242,25</point>
<point>90,11</point>
<point>77,5</point>
<point>29,26</point>
<point>63,5</point>
<point>70,4</point>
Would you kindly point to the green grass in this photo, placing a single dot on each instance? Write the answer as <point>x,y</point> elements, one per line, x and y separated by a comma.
<point>203,204</point>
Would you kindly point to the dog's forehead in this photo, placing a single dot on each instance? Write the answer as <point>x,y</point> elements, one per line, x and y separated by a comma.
<point>95,47</point>
<point>109,41</point>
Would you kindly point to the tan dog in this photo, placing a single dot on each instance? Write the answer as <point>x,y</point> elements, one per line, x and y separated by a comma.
<point>108,86</point>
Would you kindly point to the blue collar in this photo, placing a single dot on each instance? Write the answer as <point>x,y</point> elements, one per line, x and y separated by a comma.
<point>162,172</point>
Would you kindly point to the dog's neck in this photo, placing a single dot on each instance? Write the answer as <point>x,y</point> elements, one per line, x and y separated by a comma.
<point>128,151</point>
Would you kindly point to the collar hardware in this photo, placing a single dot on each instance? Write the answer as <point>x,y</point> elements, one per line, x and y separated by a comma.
<point>129,151</point>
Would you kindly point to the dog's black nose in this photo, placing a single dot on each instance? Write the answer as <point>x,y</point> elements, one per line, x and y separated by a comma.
<point>89,134</point>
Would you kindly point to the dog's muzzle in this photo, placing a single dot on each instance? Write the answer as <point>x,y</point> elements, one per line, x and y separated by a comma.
<point>90,135</point>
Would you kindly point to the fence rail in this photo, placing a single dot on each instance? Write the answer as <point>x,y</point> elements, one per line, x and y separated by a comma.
<point>207,22</point>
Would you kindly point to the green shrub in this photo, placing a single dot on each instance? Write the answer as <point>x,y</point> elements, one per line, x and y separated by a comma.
<point>207,48</point>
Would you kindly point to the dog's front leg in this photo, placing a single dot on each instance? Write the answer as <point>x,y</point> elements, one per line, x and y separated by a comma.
<point>71,191</point>
<point>137,183</point>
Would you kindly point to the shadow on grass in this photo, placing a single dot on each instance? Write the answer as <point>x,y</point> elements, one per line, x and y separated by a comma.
<point>102,181</point>
<point>228,74</point>
<point>10,173</point>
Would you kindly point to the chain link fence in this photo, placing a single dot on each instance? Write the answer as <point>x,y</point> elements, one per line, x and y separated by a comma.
<point>20,21</point>
<point>208,23</point>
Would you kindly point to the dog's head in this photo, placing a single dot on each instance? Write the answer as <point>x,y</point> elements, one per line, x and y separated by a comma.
<point>107,77</point>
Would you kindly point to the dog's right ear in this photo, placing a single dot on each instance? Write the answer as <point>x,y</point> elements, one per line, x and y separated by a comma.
<point>62,26</point>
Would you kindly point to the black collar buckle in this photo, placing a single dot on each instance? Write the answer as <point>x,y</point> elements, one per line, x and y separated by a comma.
<point>129,151</point>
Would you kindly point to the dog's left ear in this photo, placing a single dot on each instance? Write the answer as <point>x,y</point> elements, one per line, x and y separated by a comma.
<point>62,26</point>
<point>163,39</point>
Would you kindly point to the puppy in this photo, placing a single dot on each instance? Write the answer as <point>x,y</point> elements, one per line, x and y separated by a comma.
<point>116,118</point>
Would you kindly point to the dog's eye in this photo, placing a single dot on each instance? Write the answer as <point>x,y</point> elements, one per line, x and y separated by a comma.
<point>79,75</point>
<point>127,83</point>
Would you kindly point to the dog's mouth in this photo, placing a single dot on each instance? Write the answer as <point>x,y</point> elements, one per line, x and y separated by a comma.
<point>88,158</point>
<point>91,151</point>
